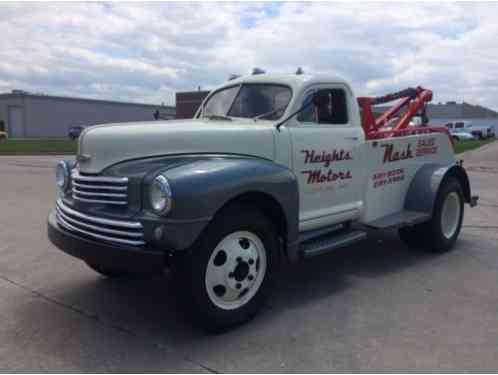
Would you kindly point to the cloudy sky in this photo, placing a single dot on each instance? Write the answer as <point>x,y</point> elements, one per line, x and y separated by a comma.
<point>144,52</point>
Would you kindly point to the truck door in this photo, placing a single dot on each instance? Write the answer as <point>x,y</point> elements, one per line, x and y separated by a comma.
<point>326,159</point>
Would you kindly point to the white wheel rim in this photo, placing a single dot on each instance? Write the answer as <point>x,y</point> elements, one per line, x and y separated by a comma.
<point>450,216</point>
<point>235,270</point>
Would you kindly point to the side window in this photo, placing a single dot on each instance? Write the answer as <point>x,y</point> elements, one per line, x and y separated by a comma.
<point>459,125</point>
<point>335,113</point>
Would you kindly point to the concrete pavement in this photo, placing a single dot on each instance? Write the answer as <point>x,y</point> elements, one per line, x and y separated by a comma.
<point>374,306</point>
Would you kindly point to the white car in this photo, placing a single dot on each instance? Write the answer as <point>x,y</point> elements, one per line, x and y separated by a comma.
<point>462,136</point>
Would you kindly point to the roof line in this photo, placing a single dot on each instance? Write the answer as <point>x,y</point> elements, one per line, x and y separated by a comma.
<point>69,98</point>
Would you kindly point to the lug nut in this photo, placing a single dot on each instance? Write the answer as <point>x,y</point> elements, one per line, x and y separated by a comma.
<point>239,259</point>
<point>238,286</point>
<point>250,277</point>
<point>251,261</point>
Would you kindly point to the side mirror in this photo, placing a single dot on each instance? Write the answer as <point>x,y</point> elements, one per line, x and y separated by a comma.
<point>321,99</point>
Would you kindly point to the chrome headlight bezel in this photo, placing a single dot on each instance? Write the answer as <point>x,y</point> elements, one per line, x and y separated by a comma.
<point>63,176</point>
<point>160,195</point>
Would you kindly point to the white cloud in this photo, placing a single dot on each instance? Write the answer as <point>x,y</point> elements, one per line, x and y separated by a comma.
<point>146,52</point>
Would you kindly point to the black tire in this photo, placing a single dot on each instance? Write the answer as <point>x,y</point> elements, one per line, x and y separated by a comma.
<point>109,271</point>
<point>189,269</point>
<point>430,235</point>
<point>455,138</point>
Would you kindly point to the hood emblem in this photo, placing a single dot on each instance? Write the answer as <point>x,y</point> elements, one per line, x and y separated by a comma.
<point>83,157</point>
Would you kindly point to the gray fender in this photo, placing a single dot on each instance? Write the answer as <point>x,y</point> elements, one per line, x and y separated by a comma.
<point>203,187</point>
<point>425,185</point>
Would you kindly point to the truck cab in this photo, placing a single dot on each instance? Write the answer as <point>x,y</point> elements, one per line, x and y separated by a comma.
<point>271,168</point>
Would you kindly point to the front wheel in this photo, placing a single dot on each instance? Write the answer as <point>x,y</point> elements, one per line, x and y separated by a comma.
<point>230,270</point>
<point>441,232</point>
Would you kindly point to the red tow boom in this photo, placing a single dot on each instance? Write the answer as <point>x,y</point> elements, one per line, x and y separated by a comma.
<point>413,99</point>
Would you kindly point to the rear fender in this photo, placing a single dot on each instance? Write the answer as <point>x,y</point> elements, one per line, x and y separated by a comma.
<point>425,186</point>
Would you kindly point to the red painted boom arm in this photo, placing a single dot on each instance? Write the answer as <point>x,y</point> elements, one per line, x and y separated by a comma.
<point>414,99</point>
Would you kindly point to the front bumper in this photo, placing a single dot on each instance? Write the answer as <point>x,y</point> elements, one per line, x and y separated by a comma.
<point>121,257</point>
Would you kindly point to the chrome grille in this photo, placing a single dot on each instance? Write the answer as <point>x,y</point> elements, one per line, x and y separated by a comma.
<point>117,231</point>
<point>99,189</point>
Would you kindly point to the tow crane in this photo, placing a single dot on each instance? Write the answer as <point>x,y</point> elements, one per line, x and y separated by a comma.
<point>412,99</point>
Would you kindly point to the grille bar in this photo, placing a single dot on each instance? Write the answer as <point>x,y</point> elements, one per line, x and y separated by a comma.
<point>93,194</point>
<point>99,189</point>
<point>117,231</point>
<point>112,180</point>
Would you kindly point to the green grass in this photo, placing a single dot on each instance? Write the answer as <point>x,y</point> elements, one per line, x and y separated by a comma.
<point>37,146</point>
<point>463,146</point>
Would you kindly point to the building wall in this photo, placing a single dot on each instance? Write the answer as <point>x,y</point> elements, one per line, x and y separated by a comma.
<point>46,116</point>
<point>188,102</point>
<point>5,104</point>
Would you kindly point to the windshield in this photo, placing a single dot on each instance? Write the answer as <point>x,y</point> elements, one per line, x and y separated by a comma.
<point>249,101</point>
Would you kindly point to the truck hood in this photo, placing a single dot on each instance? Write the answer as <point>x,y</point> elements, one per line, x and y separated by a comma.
<point>104,145</point>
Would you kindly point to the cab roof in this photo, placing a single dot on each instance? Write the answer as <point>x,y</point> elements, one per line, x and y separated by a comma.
<point>295,81</point>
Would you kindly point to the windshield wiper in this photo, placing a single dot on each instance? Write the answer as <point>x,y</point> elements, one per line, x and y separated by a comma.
<point>269,113</point>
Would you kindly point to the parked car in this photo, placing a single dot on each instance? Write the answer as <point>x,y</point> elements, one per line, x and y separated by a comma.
<point>462,136</point>
<point>272,168</point>
<point>75,131</point>
<point>3,136</point>
<point>479,131</point>
<point>491,132</point>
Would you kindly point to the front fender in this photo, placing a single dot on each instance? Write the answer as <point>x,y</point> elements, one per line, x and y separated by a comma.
<point>425,185</point>
<point>202,187</point>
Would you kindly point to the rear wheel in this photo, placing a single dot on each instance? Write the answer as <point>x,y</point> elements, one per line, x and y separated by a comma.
<point>441,232</point>
<point>229,272</point>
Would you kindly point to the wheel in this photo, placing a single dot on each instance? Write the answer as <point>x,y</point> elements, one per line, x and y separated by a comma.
<point>455,138</point>
<point>109,271</point>
<point>441,232</point>
<point>231,268</point>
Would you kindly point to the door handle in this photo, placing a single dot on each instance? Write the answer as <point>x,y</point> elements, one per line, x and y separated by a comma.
<point>351,138</point>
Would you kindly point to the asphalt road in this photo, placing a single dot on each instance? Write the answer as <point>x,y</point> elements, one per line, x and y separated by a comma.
<point>374,306</point>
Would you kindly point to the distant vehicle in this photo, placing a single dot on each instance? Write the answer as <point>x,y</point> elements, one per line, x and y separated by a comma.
<point>75,131</point>
<point>3,136</point>
<point>478,131</point>
<point>462,136</point>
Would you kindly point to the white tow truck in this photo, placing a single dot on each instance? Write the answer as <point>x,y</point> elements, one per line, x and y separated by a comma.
<point>272,167</point>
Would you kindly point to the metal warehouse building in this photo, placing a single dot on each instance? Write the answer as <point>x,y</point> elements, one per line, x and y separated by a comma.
<point>443,113</point>
<point>31,115</point>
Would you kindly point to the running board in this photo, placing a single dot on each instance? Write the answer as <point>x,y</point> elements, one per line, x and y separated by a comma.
<point>333,241</point>
<point>399,219</point>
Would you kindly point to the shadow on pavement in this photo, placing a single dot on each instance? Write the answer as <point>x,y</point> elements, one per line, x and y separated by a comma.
<point>147,308</point>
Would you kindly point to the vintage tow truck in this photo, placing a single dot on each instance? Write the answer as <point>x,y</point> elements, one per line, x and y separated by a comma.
<point>271,168</point>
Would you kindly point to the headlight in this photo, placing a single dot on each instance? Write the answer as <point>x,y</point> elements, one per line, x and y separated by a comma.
<point>160,195</point>
<point>62,177</point>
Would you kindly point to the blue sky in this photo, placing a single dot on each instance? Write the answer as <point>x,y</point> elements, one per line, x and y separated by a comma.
<point>145,52</point>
